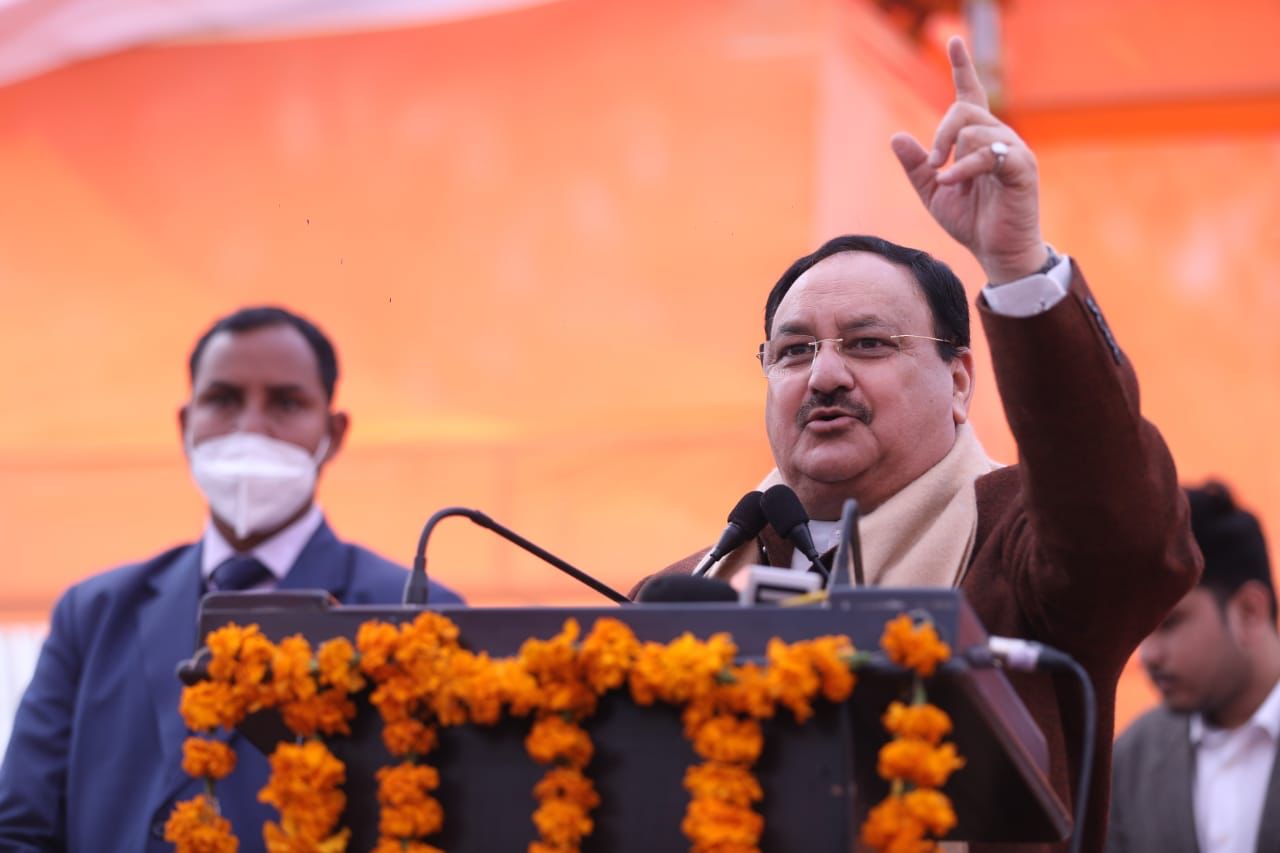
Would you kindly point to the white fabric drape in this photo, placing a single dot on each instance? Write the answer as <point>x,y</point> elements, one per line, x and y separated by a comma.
<point>40,35</point>
<point>19,648</point>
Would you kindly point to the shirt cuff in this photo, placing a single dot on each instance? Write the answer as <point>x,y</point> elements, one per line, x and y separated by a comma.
<point>1035,294</point>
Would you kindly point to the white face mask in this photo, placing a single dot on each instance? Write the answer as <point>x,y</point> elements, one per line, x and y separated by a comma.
<point>252,481</point>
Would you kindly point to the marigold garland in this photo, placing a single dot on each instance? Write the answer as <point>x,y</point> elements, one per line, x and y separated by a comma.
<point>419,678</point>
<point>915,761</point>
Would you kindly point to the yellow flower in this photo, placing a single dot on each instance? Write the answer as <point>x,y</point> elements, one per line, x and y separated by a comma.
<point>916,648</point>
<point>923,722</point>
<point>918,762</point>
<point>209,759</point>
<point>196,827</point>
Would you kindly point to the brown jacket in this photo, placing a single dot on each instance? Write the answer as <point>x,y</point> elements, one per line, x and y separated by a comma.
<point>1086,543</point>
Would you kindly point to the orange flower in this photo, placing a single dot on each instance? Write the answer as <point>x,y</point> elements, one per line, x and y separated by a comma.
<point>916,648</point>
<point>918,762</point>
<point>728,739</point>
<point>304,788</point>
<point>335,660</point>
<point>516,687</point>
<point>409,737</point>
<point>890,826</point>
<point>408,809</point>
<point>562,823</point>
<point>326,712</point>
<point>396,845</point>
<point>278,839</point>
<point>715,825</point>
<point>377,642</point>
<point>728,783</point>
<point>569,784</point>
<point>552,739</point>
<point>291,679</point>
<point>747,692</point>
<point>923,722</point>
<point>684,670</point>
<point>209,759</point>
<point>196,827</point>
<point>931,808</point>
<point>607,653</point>
<point>207,705</point>
<point>791,677</point>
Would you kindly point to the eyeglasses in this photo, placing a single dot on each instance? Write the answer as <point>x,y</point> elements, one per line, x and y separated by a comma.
<point>790,354</point>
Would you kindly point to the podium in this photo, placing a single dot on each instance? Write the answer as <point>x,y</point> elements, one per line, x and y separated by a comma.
<point>819,778</point>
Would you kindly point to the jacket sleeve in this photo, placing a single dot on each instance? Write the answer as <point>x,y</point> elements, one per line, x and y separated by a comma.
<point>33,777</point>
<point>1107,549</point>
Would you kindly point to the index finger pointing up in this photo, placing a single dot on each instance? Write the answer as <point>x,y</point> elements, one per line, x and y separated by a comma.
<point>968,87</point>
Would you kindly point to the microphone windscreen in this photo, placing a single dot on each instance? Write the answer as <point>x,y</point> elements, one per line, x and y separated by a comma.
<point>782,507</point>
<point>748,515</point>
<point>676,588</point>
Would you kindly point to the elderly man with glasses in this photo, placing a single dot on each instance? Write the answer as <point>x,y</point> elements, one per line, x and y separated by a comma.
<point>1085,544</point>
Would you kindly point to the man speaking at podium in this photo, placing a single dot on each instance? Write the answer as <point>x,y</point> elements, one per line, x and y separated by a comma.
<point>1085,544</point>
<point>94,762</point>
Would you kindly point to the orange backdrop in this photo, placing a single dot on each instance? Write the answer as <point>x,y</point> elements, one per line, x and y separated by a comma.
<point>542,240</point>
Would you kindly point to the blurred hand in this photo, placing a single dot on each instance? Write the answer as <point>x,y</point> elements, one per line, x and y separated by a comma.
<point>991,206</point>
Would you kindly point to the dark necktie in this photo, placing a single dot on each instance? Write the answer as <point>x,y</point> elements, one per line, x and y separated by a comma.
<point>241,572</point>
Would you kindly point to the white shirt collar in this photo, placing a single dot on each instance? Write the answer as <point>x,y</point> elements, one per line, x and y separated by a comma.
<point>1266,718</point>
<point>278,553</point>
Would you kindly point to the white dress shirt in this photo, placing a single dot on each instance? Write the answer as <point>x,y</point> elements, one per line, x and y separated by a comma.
<point>1232,770</point>
<point>278,553</point>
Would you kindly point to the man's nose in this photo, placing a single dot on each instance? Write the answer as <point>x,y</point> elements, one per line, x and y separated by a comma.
<point>252,417</point>
<point>1151,652</point>
<point>829,370</point>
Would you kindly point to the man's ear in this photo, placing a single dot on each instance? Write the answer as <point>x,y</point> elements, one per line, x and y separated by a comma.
<point>339,423</point>
<point>962,378</point>
<point>182,427</point>
<point>1253,602</point>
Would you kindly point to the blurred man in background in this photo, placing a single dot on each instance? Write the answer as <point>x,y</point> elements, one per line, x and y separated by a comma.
<point>94,762</point>
<point>1199,772</point>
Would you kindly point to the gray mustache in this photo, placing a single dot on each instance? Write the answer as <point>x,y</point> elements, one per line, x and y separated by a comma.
<point>839,400</point>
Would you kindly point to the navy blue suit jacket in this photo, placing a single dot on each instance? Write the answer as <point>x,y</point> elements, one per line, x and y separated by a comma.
<point>94,761</point>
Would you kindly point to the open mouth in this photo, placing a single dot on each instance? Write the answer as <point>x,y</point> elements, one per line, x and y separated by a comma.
<point>830,419</point>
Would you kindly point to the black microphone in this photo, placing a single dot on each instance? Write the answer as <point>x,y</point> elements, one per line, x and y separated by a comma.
<point>416,589</point>
<point>849,551</point>
<point>677,588</point>
<point>785,512</point>
<point>746,519</point>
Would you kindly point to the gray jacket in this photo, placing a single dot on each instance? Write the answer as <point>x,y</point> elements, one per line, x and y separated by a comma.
<point>1151,790</point>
